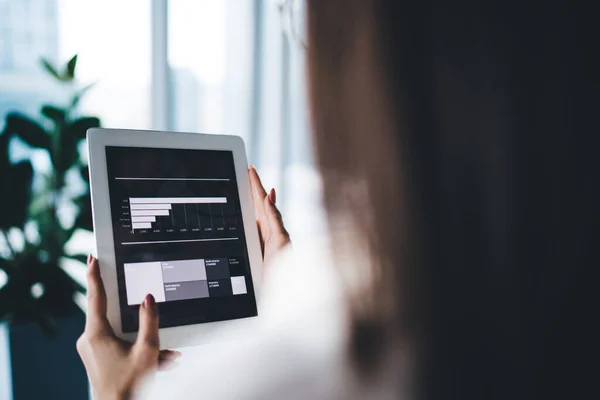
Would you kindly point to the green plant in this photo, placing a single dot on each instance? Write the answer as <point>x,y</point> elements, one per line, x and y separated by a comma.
<point>37,288</point>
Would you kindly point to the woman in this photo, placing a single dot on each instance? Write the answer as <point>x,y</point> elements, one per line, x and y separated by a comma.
<point>460,174</point>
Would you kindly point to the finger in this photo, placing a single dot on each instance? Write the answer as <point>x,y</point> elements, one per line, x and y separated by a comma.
<point>258,195</point>
<point>166,359</point>
<point>264,230</point>
<point>148,333</point>
<point>274,218</point>
<point>167,365</point>
<point>169,355</point>
<point>96,321</point>
<point>258,191</point>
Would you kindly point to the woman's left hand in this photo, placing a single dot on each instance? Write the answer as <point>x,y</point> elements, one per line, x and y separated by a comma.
<point>115,366</point>
<point>273,235</point>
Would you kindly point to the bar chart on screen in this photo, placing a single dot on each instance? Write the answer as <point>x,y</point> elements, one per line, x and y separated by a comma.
<point>192,216</point>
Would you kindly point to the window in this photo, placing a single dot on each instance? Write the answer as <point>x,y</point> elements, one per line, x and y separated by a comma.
<point>113,40</point>
<point>200,65</point>
<point>210,56</point>
<point>213,66</point>
<point>228,75</point>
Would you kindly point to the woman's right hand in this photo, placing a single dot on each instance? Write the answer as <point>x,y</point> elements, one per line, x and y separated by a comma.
<point>115,366</point>
<point>273,235</point>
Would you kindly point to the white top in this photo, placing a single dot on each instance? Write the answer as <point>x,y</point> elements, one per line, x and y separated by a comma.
<point>296,350</point>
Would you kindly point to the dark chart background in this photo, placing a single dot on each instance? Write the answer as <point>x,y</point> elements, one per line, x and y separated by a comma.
<point>189,231</point>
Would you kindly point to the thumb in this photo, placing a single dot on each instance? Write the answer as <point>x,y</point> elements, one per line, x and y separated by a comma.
<point>148,334</point>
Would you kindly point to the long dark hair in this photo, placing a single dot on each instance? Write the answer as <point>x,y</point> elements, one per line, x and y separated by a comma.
<point>458,140</point>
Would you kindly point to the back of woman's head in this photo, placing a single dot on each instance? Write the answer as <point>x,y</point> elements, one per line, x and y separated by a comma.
<point>458,142</point>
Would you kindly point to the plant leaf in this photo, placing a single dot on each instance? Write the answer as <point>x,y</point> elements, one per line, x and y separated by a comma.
<point>59,287</point>
<point>85,173</point>
<point>40,204</point>
<point>69,72</point>
<point>50,69</point>
<point>5,266</point>
<point>30,131</point>
<point>4,142</point>
<point>77,97</point>
<point>7,299</point>
<point>69,153</point>
<point>80,126</point>
<point>84,219</point>
<point>56,114</point>
<point>70,136</point>
<point>15,185</point>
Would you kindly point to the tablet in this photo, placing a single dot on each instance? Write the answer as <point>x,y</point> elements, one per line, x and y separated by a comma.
<point>173,216</point>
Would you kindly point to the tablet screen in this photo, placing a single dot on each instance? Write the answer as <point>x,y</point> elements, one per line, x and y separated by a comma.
<point>178,234</point>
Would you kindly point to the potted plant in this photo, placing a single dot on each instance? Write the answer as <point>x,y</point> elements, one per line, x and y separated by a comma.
<point>37,298</point>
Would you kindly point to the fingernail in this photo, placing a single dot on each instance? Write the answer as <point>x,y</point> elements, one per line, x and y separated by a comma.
<point>272,196</point>
<point>174,354</point>
<point>170,355</point>
<point>89,259</point>
<point>250,166</point>
<point>150,300</point>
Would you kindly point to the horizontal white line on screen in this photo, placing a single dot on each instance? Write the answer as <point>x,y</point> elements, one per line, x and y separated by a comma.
<point>176,200</point>
<point>149,213</point>
<point>150,206</point>
<point>143,219</point>
<point>178,241</point>
<point>141,225</point>
<point>122,178</point>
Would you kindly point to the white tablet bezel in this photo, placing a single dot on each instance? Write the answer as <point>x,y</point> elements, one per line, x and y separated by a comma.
<point>97,140</point>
